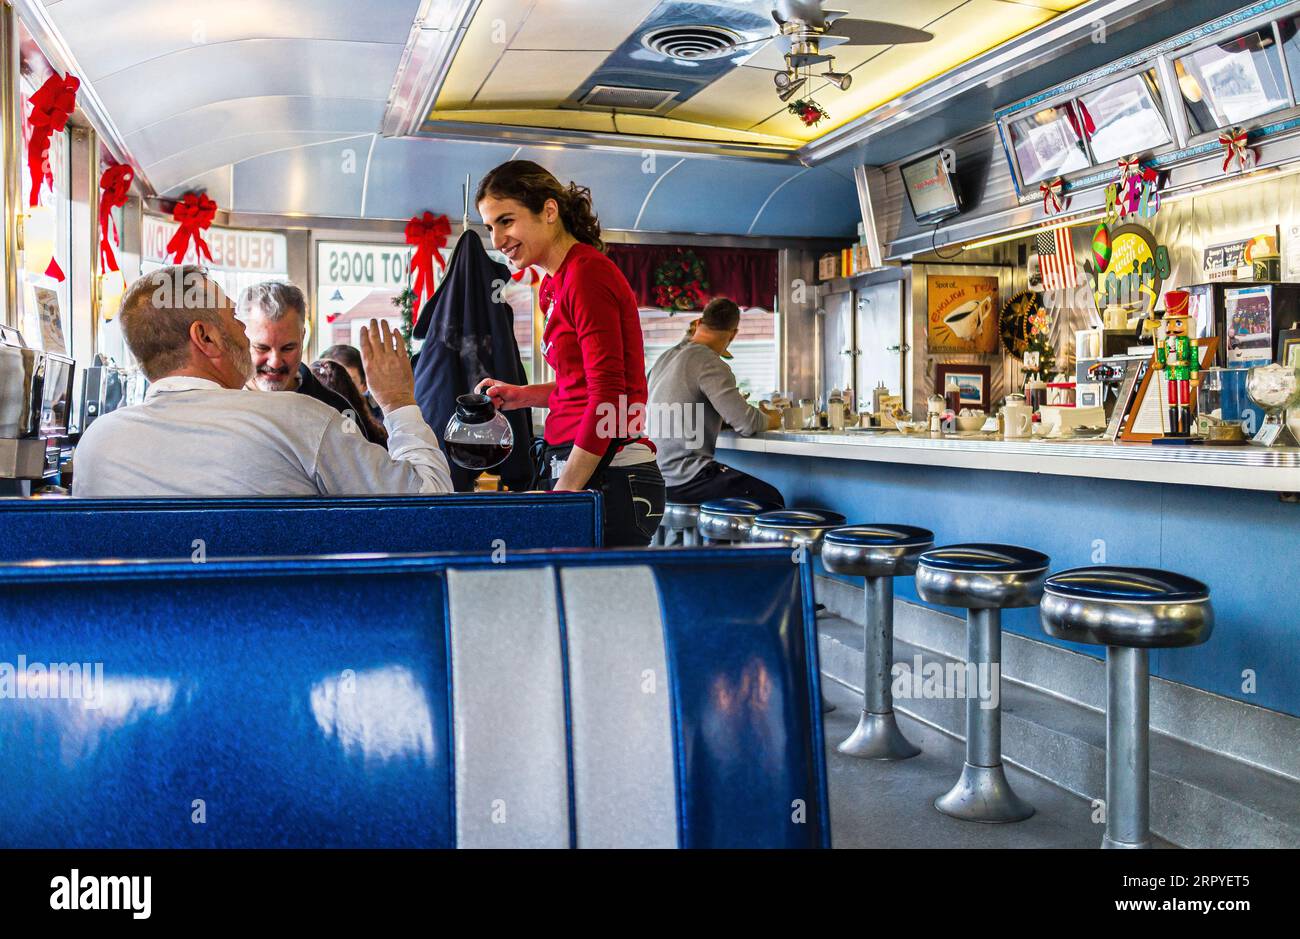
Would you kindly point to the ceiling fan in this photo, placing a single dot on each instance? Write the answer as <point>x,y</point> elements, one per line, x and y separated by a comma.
<point>806,31</point>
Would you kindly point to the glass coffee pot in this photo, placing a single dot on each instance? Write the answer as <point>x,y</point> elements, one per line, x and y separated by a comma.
<point>478,437</point>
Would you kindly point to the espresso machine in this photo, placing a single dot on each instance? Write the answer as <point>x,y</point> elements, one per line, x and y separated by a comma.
<point>35,409</point>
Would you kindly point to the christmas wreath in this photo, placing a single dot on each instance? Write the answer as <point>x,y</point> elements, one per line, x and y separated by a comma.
<point>808,111</point>
<point>681,283</point>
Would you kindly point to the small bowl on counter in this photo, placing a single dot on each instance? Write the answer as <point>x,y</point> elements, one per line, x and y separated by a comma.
<point>970,424</point>
<point>911,428</point>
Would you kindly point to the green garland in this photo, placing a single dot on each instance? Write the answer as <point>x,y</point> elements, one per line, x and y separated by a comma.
<point>405,301</point>
<point>681,282</point>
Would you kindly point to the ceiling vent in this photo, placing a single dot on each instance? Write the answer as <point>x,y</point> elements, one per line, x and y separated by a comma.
<point>627,99</point>
<point>691,43</point>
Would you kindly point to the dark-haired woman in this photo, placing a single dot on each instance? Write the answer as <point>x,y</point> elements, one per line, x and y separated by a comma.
<point>595,431</point>
<point>336,378</point>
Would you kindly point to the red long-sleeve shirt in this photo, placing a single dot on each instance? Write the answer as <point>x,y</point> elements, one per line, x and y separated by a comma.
<point>592,339</point>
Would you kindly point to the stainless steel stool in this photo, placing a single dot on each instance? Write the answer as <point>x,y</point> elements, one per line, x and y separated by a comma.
<point>679,517</point>
<point>727,521</point>
<point>795,528</point>
<point>878,553</point>
<point>985,579</point>
<point>1128,610</point>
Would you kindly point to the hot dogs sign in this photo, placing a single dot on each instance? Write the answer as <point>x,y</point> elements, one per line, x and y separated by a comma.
<point>963,313</point>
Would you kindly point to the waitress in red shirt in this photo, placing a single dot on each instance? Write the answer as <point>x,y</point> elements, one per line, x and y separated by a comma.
<point>595,431</point>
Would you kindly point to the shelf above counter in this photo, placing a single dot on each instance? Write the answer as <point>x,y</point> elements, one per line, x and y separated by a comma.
<point>1241,467</point>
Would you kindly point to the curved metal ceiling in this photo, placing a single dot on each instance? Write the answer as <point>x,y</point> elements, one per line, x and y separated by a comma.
<point>273,107</point>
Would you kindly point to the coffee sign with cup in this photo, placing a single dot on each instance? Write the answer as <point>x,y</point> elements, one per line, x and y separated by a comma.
<point>962,313</point>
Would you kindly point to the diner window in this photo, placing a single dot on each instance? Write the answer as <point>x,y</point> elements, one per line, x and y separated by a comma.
<point>1230,82</point>
<point>45,264</point>
<point>1289,29</point>
<point>1048,143</point>
<point>112,288</point>
<point>1123,118</point>
<point>755,352</point>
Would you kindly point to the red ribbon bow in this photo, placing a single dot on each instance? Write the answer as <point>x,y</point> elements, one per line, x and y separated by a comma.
<point>428,234</point>
<point>1237,149</point>
<point>1128,167</point>
<point>527,275</point>
<point>194,214</point>
<point>52,105</point>
<point>115,186</point>
<point>1052,191</point>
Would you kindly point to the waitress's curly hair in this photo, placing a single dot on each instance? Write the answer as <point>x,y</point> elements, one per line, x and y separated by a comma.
<point>531,185</point>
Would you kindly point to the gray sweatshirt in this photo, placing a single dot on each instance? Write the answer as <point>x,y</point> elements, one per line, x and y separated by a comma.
<point>692,391</point>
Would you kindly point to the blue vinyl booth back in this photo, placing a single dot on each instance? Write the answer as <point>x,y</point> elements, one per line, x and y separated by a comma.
<point>559,699</point>
<point>72,529</point>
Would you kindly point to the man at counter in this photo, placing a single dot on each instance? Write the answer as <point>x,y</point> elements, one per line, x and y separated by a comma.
<point>275,316</point>
<point>692,391</point>
<point>200,433</point>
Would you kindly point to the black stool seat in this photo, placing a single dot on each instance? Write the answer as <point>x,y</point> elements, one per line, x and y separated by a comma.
<point>982,576</point>
<point>794,526</point>
<point>729,519</point>
<point>986,558</point>
<point>1135,607</point>
<point>874,550</point>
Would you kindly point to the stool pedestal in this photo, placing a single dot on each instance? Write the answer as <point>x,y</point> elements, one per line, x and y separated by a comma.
<point>1128,754</point>
<point>877,736</point>
<point>982,794</point>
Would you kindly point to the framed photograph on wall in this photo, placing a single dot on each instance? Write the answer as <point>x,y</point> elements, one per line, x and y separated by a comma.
<point>973,380</point>
<point>1288,347</point>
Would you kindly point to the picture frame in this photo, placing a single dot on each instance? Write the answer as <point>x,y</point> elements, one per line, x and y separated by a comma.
<point>1288,347</point>
<point>973,380</point>
<point>1138,417</point>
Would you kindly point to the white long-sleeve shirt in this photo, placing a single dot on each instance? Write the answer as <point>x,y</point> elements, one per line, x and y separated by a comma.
<point>192,437</point>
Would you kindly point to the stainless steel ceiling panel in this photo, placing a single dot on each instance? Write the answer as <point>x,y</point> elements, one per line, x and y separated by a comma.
<point>225,119</point>
<point>184,166</point>
<point>619,181</point>
<point>309,180</point>
<point>160,88</point>
<point>217,184</point>
<point>411,175</point>
<point>110,37</point>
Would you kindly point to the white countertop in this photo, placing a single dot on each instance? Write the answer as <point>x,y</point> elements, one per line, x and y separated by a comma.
<point>1239,467</point>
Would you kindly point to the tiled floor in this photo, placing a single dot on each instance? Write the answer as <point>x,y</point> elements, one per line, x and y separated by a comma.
<point>888,805</point>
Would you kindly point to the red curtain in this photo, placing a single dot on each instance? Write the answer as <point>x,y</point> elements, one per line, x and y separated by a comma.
<point>745,275</point>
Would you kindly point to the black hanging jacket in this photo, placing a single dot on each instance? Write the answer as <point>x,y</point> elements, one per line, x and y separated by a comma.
<point>468,332</point>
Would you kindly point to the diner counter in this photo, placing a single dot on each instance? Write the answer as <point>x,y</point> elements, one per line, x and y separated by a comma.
<point>1236,467</point>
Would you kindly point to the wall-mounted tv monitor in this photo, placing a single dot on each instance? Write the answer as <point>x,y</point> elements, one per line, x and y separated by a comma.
<point>930,188</point>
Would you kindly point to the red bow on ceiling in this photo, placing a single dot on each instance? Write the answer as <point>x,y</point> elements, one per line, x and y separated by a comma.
<point>194,214</point>
<point>52,105</point>
<point>115,186</point>
<point>428,234</point>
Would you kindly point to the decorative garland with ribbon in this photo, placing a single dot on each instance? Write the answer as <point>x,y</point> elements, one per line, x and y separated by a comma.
<point>808,111</point>
<point>681,282</point>
<point>428,234</point>
<point>1054,199</point>
<point>114,186</point>
<point>194,214</point>
<point>1237,149</point>
<point>52,104</point>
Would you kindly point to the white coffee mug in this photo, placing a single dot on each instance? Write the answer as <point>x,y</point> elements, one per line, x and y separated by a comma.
<point>1017,419</point>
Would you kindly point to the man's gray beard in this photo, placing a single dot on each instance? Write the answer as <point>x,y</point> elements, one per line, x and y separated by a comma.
<point>281,383</point>
<point>239,358</point>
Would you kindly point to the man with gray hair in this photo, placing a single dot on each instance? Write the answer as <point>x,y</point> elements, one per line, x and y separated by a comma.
<point>200,433</point>
<point>274,314</point>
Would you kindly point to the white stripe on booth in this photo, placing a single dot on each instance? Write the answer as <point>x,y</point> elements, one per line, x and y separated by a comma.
<point>512,787</point>
<point>625,793</point>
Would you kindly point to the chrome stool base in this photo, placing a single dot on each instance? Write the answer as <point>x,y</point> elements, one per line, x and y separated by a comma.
<point>982,794</point>
<point>877,737</point>
<point>1107,843</point>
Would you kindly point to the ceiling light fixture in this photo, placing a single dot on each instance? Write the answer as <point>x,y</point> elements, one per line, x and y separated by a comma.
<point>791,88</point>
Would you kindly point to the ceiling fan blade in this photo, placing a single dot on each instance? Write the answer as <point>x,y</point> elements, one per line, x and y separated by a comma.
<point>876,33</point>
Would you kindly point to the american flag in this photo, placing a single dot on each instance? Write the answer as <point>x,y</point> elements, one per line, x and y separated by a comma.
<point>1056,259</point>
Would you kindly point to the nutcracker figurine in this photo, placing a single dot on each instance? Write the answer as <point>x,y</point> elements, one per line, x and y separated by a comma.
<point>1176,353</point>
